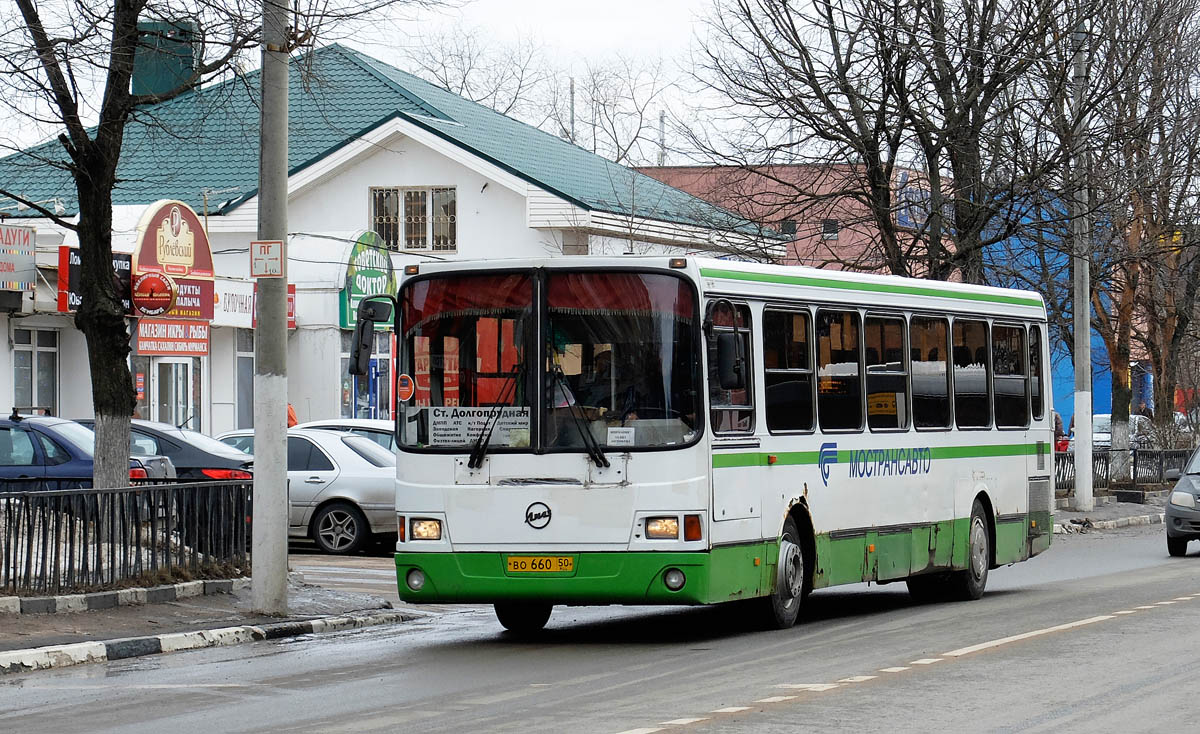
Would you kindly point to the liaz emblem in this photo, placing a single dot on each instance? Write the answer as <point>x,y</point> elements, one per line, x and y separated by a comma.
<point>537,515</point>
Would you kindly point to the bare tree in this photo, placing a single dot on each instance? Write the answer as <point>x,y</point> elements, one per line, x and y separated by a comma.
<point>70,64</point>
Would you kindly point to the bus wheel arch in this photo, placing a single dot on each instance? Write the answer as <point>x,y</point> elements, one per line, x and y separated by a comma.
<point>989,514</point>
<point>802,517</point>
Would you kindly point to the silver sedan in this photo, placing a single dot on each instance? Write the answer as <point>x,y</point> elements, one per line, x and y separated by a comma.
<point>341,487</point>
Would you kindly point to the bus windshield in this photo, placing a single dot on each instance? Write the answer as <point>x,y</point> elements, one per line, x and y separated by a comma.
<point>621,360</point>
<point>464,344</point>
<point>616,362</point>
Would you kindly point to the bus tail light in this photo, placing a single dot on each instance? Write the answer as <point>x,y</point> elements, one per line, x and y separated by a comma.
<point>691,528</point>
<point>662,528</point>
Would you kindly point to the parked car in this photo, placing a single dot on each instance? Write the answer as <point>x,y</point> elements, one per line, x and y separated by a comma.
<point>57,450</point>
<point>196,457</point>
<point>382,432</point>
<point>1140,433</point>
<point>341,486</point>
<point>1182,516</point>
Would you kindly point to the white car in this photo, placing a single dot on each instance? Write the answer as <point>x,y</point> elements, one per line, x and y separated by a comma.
<point>341,486</point>
<point>382,432</point>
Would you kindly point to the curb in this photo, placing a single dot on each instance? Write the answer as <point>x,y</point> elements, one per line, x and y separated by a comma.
<point>1121,522</point>
<point>119,598</point>
<point>59,656</point>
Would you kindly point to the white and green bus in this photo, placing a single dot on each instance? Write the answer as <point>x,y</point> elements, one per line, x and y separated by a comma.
<point>653,430</point>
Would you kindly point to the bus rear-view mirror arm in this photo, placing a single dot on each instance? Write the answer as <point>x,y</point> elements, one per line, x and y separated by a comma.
<point>371,310</point>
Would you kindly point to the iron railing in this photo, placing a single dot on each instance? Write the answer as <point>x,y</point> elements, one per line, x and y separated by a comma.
<point>1147,466</point>
<point>56,538</point>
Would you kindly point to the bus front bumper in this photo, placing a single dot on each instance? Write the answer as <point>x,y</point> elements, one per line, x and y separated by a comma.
<point>619,577</point>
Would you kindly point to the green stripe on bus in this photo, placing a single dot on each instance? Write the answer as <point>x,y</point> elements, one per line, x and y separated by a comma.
<point>797,458</point>
<point>849,285</point>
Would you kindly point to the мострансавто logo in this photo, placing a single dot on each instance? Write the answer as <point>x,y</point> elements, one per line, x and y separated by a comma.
<point>890,462</point>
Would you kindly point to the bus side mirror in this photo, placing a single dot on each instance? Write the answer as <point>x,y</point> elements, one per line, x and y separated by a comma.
<point>370,312</point>
<point>360,350</point>
<point>730,364</point>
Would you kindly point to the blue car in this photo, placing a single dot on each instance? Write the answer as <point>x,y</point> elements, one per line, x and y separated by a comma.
<point>54,453</point>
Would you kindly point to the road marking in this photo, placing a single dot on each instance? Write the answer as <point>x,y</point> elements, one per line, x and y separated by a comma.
<point>1145,607</point>
<point>348,570</point>
<point>926,661</point>
<point>858,678</point>
<point>896,669</point>
<point>1126,611</point>
<point>730,710</point>
<point>1183,598</point>
<point>774,699</point>
<point>1162,603</point>
<point>818,687</point>
<point>1024,636</point>
<point>643,730</point>
<point>684,722</point>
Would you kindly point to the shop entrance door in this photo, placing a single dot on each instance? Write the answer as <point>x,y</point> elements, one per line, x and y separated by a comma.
<point>172,392</point>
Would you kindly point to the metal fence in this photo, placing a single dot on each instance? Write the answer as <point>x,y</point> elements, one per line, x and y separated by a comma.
<point>55,539</point>
<point>1147,466</point>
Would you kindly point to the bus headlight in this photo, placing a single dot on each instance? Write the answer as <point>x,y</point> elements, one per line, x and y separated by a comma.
<point>426,529</point>
<point>662,527</point>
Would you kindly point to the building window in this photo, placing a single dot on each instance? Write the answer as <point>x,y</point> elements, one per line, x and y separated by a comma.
<point>829,229</point>
<point>416,218</point>
<point>369,395</point>
<point>35,369</point>
<point>788,226</point>
<point>244,341</point>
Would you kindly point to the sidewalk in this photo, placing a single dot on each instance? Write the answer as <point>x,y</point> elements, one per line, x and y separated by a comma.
<point>1108,514</point>
<point>36,641</point>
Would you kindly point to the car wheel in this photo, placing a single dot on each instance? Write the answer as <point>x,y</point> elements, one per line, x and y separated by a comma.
<point>340,528</point>
<point>968,584</point>
<point>523,618</point>
<point>782,607</point>
<point>1177,547</point>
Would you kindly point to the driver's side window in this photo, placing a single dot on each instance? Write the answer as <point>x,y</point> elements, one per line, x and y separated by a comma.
<point>732,411</point>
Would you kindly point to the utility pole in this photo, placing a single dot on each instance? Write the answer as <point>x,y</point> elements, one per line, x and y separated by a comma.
<point>1080,236</point>
<point>268,588</point>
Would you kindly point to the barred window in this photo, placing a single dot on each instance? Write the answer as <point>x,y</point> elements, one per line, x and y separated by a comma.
<point>415,218</point>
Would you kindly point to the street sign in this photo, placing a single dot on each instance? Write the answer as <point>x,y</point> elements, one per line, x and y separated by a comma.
<point>405,387</point>
<point>266,259</point>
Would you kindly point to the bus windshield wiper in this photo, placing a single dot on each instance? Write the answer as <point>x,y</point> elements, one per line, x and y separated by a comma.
<point>485,435</point>
<point>595,453</point>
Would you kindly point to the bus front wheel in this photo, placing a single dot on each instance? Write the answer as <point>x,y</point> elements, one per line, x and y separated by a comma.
<point>782,607</point>
<point>523,619</point>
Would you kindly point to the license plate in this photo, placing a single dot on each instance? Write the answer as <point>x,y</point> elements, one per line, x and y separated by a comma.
<point>540,564</point>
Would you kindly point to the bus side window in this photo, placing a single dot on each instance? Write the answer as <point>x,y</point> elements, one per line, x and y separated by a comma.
<point>839,371</point>
<point>972,409</point>
<point>930,372</point>
<point>787,347</point>
<point>1008,377</point>
<point>732,410</point>
<point>887,373</point>
<point>1035,372</point>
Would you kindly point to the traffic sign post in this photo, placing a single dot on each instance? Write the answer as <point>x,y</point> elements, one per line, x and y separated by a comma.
<point>266,259</point>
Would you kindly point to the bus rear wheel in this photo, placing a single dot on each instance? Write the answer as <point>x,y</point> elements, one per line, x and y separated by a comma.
<point>782,607</point>
<point>967,585</point>
<point>523,618</point>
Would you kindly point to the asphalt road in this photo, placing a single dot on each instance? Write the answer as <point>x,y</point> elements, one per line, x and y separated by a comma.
<point>1097,634</point>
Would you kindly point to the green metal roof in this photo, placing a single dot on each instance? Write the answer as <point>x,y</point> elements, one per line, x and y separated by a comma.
<point>208,139</point>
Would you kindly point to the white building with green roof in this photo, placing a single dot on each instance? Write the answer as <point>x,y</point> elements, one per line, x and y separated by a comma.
<point>379,160</point>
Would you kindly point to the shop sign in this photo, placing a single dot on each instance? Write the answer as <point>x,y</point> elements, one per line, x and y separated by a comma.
<point>173,337</point>
<point>172,240</point>
<point>368,273</point>
<point>237,304</point>
<point>153,294</point>
<point>18,267</point>
<point>70,272</point>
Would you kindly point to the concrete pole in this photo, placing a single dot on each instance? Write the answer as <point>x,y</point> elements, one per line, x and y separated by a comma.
<point>1080,236</point>
<point>268,588</point>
